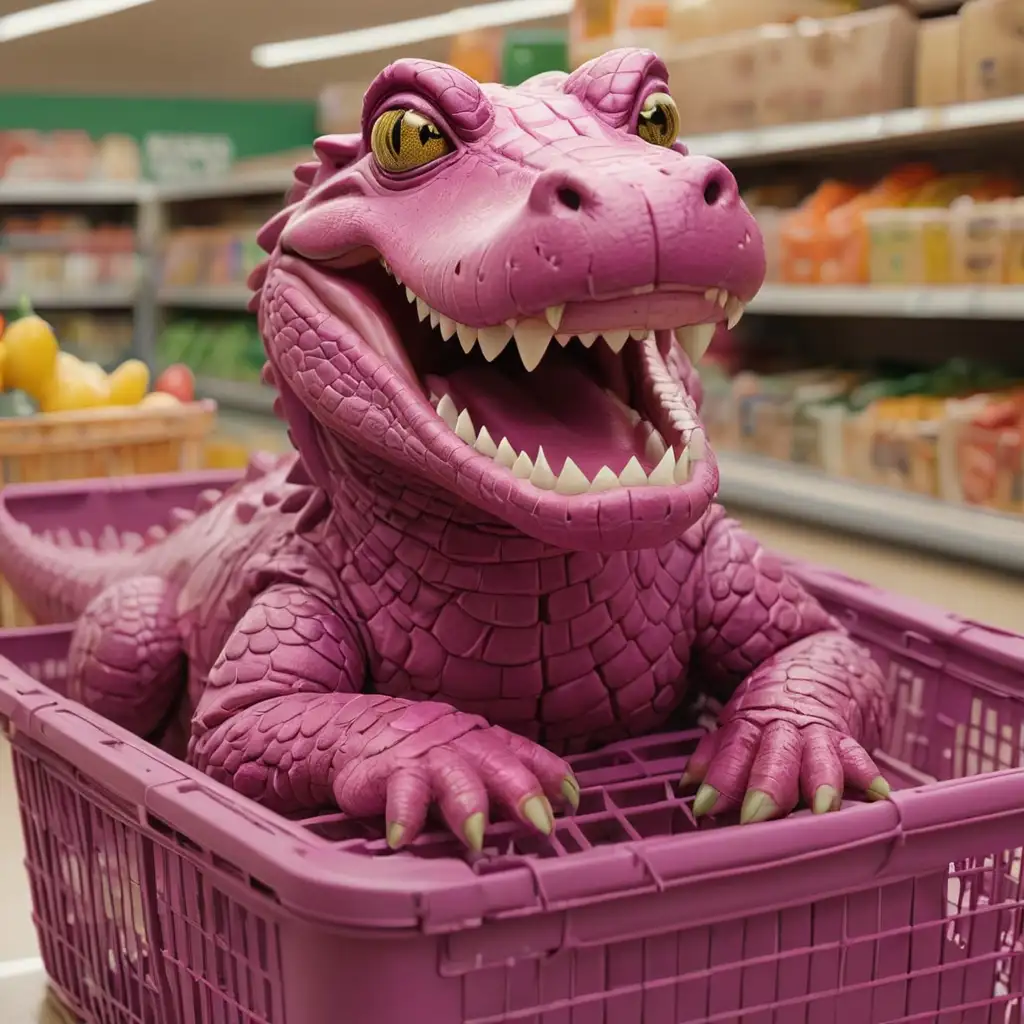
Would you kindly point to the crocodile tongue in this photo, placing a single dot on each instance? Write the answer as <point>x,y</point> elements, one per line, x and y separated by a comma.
<point>558,406</point>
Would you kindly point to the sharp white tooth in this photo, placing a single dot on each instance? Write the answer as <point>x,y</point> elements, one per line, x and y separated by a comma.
<point>711,295</point>
<point>447,326</point>
<point>492,340</point>
<point>553,315</point>
<point>723,297</point>
<point>639,333</point>
<point>695,340</point>
<point>485,443</point>
<point>532,340</point>
<point>435,318</point>
<point>615,340</point>
<point>506,455</point>
<point>542,476</point>
<point>523,466</point>
<point>587,339</point>
<point>697,445</point>
<point>447,411</point>
<point>422,309</point>
<point>572,479</point>
<point>605,480</point>
<point>655,447</point>
<point>735,312</point>
<point>563,339</point>
<point>633,475</point>
<point>467,337</point>
<point>410,294</point>
<point>682,471</point>
<point>663,473</point>
<point>464,429</point>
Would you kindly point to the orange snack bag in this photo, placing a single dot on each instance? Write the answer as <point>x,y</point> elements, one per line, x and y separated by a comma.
<point>800,232</point>
<point>845,239</point>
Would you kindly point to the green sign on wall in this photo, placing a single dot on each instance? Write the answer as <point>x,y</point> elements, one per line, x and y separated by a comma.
<point>255,127</point>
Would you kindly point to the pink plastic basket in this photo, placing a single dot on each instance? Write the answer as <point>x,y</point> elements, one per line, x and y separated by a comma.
<point>162,898</point>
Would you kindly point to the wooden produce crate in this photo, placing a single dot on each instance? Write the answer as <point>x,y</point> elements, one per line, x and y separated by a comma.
<point>99,443</point>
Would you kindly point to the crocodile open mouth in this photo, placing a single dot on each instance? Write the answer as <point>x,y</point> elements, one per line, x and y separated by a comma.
<point>554,401</point>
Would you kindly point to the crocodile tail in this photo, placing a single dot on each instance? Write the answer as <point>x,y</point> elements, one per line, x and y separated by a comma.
<point>56,577</point>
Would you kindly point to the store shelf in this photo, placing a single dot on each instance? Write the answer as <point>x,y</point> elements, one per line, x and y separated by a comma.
<point>802,495</point>
<point>925,126</point>
<point>70,193</point>
<point>266,183</point>
<point>229,297</point>
<point>237,395</point>
<point>1004,302</point>
<point>72,298</point>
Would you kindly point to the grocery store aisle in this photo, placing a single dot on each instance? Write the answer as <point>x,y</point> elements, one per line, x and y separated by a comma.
<point>980,594</point>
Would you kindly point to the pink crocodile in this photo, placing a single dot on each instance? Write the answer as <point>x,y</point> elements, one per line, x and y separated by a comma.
<point>499,543</point>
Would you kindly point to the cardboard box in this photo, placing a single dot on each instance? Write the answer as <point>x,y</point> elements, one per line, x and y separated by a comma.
<point>992,48</point>
<point>859,64</point>
<point>716,83</point>
<point>689,20</point>
<point>938,62</point>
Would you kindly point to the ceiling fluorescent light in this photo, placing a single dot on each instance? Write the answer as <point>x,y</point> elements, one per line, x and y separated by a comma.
<point>407,33</point>
<point>58,15</point>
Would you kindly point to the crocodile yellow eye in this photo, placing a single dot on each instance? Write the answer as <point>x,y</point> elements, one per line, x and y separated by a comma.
<point>658,123</point>
<point>403,140</point>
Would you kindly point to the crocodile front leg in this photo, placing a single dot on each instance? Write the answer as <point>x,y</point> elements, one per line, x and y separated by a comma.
<point>810,702</point>
<point>283,721</point>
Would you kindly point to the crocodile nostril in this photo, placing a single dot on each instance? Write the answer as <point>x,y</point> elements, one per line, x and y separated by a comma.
<point>713,190</point>
<point>570,197</point>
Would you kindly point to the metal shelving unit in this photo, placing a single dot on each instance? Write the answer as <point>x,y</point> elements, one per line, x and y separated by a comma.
<point>1003,302</point>
<point>804,496</point>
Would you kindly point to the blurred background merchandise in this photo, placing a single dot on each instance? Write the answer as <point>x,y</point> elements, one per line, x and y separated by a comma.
<point>878,143</point>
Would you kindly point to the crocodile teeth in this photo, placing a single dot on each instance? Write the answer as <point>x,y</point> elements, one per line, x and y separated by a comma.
<point>616,340</point>
<point>492,340</point>
<point>553,315</point>
<point>669,468</point>
<point>485,444</point>
<point>446,326</point>
<point>467,337</point>
<point>695,340</point>
<point>572,479</point>
<point>532,340</point>
<point>447,411</point>
<point>464,429</point>
<point>734,310</point>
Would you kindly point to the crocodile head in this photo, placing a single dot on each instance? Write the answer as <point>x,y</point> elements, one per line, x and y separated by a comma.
<point>497,295</point>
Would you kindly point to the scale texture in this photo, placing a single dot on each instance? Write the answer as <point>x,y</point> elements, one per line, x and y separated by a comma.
<point>396,618</point>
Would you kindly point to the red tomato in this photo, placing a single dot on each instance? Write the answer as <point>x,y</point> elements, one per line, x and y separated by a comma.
<point>177,380</point>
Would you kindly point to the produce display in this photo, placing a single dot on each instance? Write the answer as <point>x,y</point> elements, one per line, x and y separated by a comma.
<point>62,251</point>
<point>224,348</point>
<point>955,432</point>
<point>38,377</point>
<point>913,227</point>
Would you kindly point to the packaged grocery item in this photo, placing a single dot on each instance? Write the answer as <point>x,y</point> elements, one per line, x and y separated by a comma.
<point>1014,265</point>
<point>596,26</point>
<point>844,248</point>
<point>979,240</point>
<point>938,79</point>
<point>988,447</point>
<point>801,231</point>
<point>992,49</point>
<point>478,54</point>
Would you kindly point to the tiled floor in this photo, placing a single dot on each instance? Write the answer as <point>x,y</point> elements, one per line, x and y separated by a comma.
<point>985,596</point>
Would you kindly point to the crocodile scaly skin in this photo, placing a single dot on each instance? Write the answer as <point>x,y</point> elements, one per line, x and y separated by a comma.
<point>392,618</point>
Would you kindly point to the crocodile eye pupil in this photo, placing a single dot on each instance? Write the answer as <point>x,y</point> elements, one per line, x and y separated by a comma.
<point>658,122</point>
<point>403,140</point>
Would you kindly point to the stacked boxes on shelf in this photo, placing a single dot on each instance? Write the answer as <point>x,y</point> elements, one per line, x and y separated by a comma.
<point>955,433</point>
<point>214,257</point>
<point>57,251</point>
<point>913,227</point>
